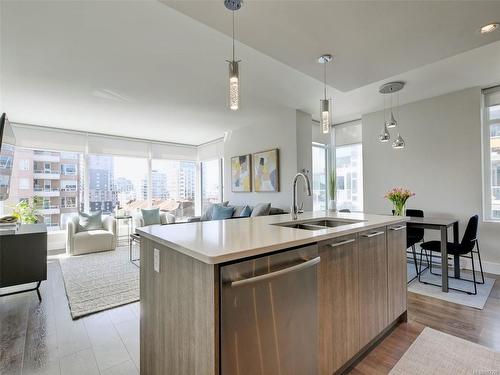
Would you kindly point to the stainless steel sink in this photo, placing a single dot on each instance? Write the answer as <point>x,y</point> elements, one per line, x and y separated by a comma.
<point>318,224</point>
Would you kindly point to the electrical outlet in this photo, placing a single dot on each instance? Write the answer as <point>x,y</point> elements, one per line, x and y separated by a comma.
<point>156,260</point>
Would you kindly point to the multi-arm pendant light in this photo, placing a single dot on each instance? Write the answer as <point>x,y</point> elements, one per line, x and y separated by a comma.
<point>391,88</point>
<point>234,72</point>
<point>325,105</point>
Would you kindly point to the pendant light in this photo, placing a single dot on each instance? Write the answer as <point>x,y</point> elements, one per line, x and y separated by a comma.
<point>392,88</point>
<point>399,142</point>
<point>325,105</point>
<point>234,71</point>
<point>392,121</point>
<point>385,136</point>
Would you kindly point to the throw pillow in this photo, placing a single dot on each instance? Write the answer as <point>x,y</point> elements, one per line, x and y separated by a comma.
<point>207,215</point>
<point>262,209</point>
<point>246,212</point>
<point>222,212</point>
<point>151,216</point>
<point>91,221</point>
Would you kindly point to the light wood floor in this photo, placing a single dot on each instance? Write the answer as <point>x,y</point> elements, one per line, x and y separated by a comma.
<point>479,326</point>
<point>43,339</point>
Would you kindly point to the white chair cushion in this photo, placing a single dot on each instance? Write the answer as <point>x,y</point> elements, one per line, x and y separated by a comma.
<point>93,240</point>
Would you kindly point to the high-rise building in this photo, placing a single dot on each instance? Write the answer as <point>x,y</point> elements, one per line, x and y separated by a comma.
<point>102,196</point>
<point>52,177</point>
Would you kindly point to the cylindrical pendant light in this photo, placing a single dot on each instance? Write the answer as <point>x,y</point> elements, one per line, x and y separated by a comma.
<point>234,71</point>
<point>234,85</point>
<point>325,105</point>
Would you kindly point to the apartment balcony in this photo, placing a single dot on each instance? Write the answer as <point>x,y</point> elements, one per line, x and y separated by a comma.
<point>41,192</point>
<point>46,175</point>
<point>49,210</point>
<point>46,157</point>
<point>69,192</point>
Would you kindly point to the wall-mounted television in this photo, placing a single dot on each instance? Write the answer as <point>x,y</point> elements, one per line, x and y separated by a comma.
<point>7,148</point>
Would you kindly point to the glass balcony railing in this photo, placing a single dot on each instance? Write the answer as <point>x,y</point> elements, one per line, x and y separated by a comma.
<point>41,189</point>
<point>46,171</point>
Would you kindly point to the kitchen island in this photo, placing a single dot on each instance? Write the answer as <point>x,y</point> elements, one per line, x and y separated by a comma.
<point>268,295</point>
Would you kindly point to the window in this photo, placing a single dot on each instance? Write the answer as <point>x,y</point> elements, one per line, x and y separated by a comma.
<point>24,165</point>
<point>5,162</point>
<point>117,181</point>
<point>211,182</point>
<point>349,166</point>
<point>39,175</point>
<point>349,170</point>
<point>24,183</point>
<point>68,169</point>
<point>491,142</point>
<point>319,176</point>
<point>173,186</point>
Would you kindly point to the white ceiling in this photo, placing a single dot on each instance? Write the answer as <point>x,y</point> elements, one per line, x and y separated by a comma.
<point>142,69</point>
<point>370,40</point>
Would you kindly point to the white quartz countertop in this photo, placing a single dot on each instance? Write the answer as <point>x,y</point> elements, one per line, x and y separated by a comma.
<point>215,242</point>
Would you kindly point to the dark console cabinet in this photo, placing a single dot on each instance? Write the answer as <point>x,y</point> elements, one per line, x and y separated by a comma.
<point>23,257</point>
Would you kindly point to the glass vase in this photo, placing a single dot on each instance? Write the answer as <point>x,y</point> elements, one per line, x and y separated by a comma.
<point>399,210</point>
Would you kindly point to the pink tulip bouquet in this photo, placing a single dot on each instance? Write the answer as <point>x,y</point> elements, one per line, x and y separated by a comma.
<point>398,197</point>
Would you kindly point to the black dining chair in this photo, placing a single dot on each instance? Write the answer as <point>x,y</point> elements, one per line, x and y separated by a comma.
<point>462,249</point>
<point>414,236</point>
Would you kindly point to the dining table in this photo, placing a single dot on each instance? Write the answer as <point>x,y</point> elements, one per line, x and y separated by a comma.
<point>442,225</point>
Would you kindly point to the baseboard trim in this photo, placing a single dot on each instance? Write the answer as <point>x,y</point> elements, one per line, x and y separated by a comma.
<point>488,267</point>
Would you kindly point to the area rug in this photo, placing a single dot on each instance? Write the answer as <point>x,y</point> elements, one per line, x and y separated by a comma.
<point>476,301</point>
<point>99,281</point>
<point>434,352</point>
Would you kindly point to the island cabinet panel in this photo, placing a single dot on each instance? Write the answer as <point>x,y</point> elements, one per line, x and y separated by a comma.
<point>179,332</point>
<point>396,270</point>
<point>372,277</point>
<point>338,303</point>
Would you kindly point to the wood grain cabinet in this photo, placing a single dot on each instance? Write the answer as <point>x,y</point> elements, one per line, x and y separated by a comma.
<point>396,272</point>
<point>372,279</point>
<point>339,305</point>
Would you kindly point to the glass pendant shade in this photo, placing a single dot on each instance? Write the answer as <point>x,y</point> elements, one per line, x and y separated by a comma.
<point>234,86</point>
<point>385,136</point>
<point>325,107</point>
<point>398,142</point>
<point>392,122</point>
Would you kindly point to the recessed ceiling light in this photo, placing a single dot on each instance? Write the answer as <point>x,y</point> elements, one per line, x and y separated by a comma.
<point>489,28</point>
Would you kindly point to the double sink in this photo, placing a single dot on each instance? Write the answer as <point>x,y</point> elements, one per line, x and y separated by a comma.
<point>318,224</point>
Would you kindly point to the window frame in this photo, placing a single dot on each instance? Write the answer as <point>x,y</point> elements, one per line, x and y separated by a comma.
<point>221,180</point>
<point>486,124</point>
<point>325,148</point>
<point>359,185</point>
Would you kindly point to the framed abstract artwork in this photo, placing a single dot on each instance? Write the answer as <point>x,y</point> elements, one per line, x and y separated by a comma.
<point>241,174</point>
<point>266,171</point>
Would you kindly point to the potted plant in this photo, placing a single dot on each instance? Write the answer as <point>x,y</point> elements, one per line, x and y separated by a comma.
<point>332,191</point>
<point>26,210</point>
<point>398,198</point>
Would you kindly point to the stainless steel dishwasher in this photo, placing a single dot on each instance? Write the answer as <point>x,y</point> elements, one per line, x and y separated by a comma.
<point>269,314</point>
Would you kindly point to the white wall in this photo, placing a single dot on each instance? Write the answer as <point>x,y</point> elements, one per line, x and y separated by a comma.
<point>278,131</point>
<point>441,162</point>
<point>304,155</point>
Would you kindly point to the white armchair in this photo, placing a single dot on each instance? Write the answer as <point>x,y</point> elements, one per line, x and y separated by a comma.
<point>165,218</point>
<point>91,241</point>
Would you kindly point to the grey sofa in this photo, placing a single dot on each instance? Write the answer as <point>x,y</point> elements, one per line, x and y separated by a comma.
<point>237,211</point>
<point>165,218</point>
